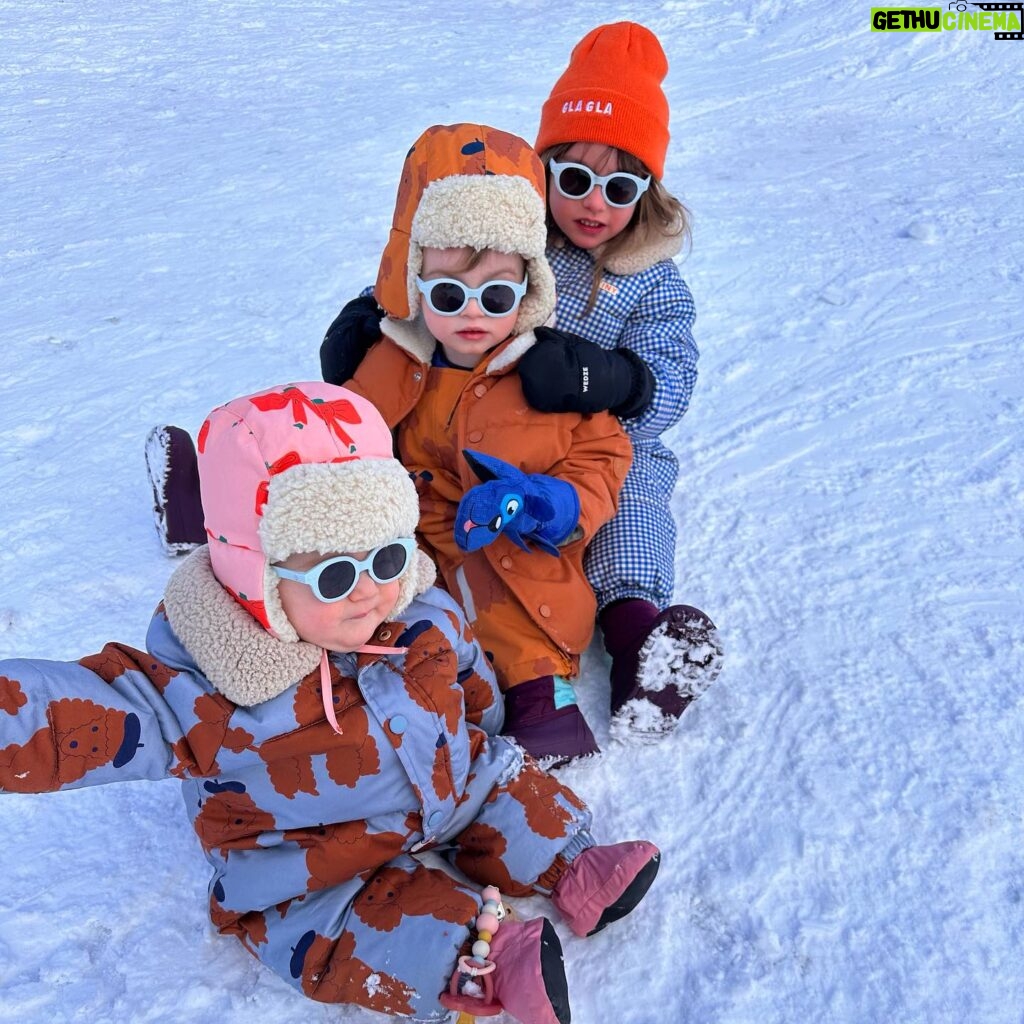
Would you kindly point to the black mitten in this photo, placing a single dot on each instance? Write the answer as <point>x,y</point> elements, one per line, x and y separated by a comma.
<point>349,338</point>
<point>563,372</point>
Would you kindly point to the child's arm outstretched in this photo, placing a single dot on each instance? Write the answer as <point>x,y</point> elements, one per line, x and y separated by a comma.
<point>65,725</point>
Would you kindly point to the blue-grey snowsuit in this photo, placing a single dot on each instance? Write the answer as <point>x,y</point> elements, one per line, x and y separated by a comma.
<point>643,304</point>
<point>311,835</point>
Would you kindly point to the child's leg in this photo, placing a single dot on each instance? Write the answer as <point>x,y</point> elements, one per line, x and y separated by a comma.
<point>663,655</point>
<point>541,712</point>
<point>174,476</point>
<point>533,835</point>
<point>393,948</point>
<point>529,822</point>
<point>633,555</point>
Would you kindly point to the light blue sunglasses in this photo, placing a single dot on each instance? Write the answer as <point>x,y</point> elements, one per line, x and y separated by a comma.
<point>448,297</point>
<point>334,579</point>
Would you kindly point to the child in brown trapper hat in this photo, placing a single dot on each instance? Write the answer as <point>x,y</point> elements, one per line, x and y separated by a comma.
<point>509,498</point>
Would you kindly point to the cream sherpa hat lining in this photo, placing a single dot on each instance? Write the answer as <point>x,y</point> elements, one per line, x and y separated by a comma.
<point>339,507</point>
<point>496,212</point>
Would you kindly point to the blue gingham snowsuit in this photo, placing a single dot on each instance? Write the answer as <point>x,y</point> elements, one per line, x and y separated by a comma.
<point>650,312</point>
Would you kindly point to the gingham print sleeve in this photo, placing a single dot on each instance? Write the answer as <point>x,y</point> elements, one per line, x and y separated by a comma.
<point>659,331</point>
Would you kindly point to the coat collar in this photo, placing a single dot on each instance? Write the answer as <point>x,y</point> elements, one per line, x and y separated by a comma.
<point>646,250</point>
<point>235,653</point>
<point>412,337</point>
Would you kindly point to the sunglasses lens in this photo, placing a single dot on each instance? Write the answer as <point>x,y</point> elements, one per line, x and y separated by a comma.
<point>389,562</point>
<point>336,580</point>
<point>574,181</point>
<point>498,299</point>
<point>621,191</point>
<point>447,297</point>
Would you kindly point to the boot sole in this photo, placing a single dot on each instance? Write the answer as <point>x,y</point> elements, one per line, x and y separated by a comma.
<point>157,456</point>
<point>664,662</point>
<point>631,896</point>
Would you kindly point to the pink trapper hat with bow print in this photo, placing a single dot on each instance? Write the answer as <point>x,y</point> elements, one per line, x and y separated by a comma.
<point>295,468</point>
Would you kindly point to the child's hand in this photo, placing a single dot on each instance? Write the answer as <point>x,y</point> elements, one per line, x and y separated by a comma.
<point>522,505</point>
<point>349,338</point>
<point>563,372</point>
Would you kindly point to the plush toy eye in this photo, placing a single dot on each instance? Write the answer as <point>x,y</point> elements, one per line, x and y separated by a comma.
<point>511,507</point>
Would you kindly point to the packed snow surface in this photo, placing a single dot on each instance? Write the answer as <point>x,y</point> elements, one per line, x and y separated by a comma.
<point>190,191</point>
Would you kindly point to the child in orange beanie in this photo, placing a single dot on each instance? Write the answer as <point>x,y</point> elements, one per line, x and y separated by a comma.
<point>624,343</point>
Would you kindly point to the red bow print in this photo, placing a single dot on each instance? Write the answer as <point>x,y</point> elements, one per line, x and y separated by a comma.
<point>330,412</point>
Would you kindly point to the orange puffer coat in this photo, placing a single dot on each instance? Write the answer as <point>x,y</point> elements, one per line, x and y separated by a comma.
<point>486,411</point>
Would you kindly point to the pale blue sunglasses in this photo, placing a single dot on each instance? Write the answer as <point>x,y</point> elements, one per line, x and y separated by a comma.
<point>448,297</point>
<point>334,579</point>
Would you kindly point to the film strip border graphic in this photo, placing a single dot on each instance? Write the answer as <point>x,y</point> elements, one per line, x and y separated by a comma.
<point>1018,7</point>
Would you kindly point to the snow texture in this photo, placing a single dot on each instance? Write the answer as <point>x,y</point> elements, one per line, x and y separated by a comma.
<point>192,190</point>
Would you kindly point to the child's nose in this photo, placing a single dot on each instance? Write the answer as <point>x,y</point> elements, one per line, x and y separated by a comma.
<point>595,200</point>
<point>365,585</point>
<point>473,308</point>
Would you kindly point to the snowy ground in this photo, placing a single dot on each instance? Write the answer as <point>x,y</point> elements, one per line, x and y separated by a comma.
<point>189,191</point>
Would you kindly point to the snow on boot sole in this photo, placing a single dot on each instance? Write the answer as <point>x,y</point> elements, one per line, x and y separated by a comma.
<point>689,661</point>
<point>158,465</point>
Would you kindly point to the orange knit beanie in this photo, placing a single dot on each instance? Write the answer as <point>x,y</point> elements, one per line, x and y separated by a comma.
<point>611,93</point>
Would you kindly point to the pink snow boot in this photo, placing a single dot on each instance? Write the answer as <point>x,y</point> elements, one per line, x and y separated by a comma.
<point>604,883</point>
<point>516,967</point>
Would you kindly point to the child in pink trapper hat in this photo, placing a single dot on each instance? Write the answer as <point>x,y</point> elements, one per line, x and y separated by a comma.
<point>330,716</point>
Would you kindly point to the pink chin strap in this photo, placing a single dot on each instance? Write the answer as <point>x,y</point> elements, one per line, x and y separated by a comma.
<point>325,678</point>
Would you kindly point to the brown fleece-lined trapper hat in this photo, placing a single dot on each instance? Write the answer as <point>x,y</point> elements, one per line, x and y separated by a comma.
<point>468,185</point>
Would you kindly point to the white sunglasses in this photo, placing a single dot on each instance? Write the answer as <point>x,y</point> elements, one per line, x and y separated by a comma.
<point>334,579</point>
<point>575,181</point>
<point>448,297</point>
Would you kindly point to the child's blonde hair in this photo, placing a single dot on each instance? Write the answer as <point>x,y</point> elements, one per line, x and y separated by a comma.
<point>657,212</point>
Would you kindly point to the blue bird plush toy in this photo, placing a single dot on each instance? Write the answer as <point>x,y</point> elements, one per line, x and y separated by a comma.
<point>523,506</point>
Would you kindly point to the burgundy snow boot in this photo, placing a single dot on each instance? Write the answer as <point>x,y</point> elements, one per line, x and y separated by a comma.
<point>604,883</point>
<point>542,716</point>
<point>174,475</point>
<point>661,661</point>
<point>522,974</point>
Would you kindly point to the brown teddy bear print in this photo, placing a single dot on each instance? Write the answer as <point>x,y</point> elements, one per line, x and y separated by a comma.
<point>481,848</point>
<point>348,757</point>
<point>393,892</point>
<point>337,853</point>
<point>12,697</point>
<point>332,973</point>
<point>230,820</point>
<point>197,752</point>
<point>116,659</point>
<point>81,736</point>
